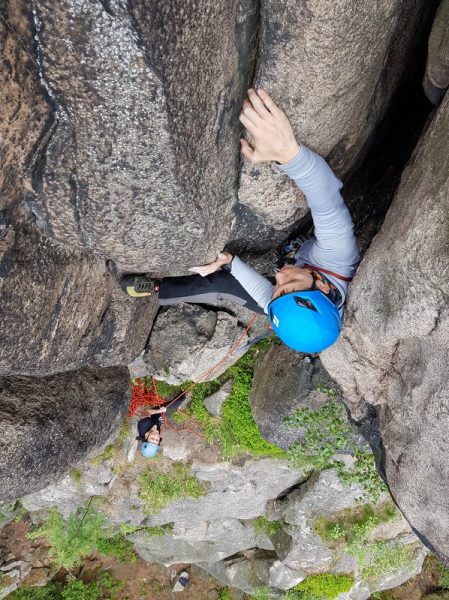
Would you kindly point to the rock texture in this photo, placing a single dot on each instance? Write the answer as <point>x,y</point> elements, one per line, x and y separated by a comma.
<point>334,70</point>
<point>26,116</point>
<point>48,424</point>
<point>436,78</point>
<point>62,310</point>
<point>285,381</point>
<point>141,162</point>
<point>187,340</point>
<point>393,352</point>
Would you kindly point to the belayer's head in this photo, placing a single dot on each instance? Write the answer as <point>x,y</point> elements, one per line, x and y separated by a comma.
<point>302,315</point>
<point>151,444</point>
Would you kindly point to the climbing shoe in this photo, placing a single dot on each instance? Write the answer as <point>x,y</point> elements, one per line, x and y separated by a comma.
<point>139,286</point>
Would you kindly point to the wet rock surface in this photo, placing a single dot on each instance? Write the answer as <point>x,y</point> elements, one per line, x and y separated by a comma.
<point>48,424</point>
<point>392,355</point>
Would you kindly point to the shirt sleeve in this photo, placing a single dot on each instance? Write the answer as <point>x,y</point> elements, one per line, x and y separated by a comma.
<point>257,286</point>
<point>331,218</point>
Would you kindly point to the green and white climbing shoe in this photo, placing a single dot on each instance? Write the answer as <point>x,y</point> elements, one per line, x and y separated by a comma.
<point>139,286</point>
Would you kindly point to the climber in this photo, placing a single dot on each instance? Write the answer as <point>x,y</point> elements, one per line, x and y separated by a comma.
<point>150,424</point>
<point>305,302</point>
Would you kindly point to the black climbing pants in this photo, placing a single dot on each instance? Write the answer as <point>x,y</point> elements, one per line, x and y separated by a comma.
<point>213,289</point>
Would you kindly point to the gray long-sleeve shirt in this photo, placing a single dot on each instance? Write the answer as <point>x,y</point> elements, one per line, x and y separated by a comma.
<point>333,247</point>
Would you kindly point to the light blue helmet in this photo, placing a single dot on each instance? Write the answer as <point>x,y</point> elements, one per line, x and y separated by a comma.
<point>149,450</point>
<point>305,321</point>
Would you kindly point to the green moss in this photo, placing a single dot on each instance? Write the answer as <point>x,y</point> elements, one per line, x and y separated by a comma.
<point>328,431</point>
<point>224,594</point>
<point>270,528</point>
<point>125,431</point>
<point>158,490</point>
<point>236,431</point>
<point>52,591</point>
<point>117,546</point>
<point>443,580</point>
<point>344,526</point>
<point>376,559</point>
<point>76,475</point>
<point>105,587</point>
<point>159,530</point>
<point>350,530</point>
<point>107,454</point>
<point>325,585</point>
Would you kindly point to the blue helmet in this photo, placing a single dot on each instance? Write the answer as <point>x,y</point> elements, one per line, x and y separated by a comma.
<point>149,450</point>
<point>305,321</point>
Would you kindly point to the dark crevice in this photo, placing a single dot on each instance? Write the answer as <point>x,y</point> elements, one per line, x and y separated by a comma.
<point>370,188</point>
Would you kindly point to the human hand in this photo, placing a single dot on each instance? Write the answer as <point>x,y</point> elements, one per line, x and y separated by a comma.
<point>162,409</point>
<point>223,258</point>
<point>272,134</point>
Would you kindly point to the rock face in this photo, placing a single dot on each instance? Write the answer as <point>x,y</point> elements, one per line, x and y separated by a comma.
<point>25,112</point>
<point>142,158</point>
<point>62,310</point>
<point>436,79</point>
<point>285,381</point>
<point>187,340</point>
<point>393,353</point>
<point>334,69</point>
<point>48,424</point>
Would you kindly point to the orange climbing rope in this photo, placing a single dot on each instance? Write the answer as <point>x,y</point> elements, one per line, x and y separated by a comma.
<point>144,395</point>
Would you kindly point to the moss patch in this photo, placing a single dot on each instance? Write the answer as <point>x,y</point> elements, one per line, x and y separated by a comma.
<point>158,490</point>
<point>343,527</point>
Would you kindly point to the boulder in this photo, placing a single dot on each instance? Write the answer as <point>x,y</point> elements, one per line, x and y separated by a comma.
<point>333,69</point>
<point>391,360</point>
<point>51,423</point>
<point>214,402</point>
<point>247,571</point>
<point>188,340</point>
<point>141,163</point>
<point>436,78</point>
<point>285,381</point>
<point>62,310</point>
<point>200,542</point>
<point>234,491</point>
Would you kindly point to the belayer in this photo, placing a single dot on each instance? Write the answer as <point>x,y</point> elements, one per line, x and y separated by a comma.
<point>305,303</point>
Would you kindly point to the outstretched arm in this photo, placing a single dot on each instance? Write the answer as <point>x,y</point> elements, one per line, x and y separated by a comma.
<point>274,140</point>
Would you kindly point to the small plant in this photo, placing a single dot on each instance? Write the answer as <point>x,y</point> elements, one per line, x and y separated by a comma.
<point>125,431</point>
<point>117,546</point>
<point>327,431</point>
<point>262,593</point>
<point>161,489</point>
<point>325,585</point>
<point>224,594</point>
<point>74,537</point>
<point>344,526</point>
<point>76,475</point>
<point>443,580</point>
<point>107,454</point>
<point>269,528</point>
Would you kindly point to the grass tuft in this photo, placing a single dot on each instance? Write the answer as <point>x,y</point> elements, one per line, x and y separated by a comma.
<point>158,490</point>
